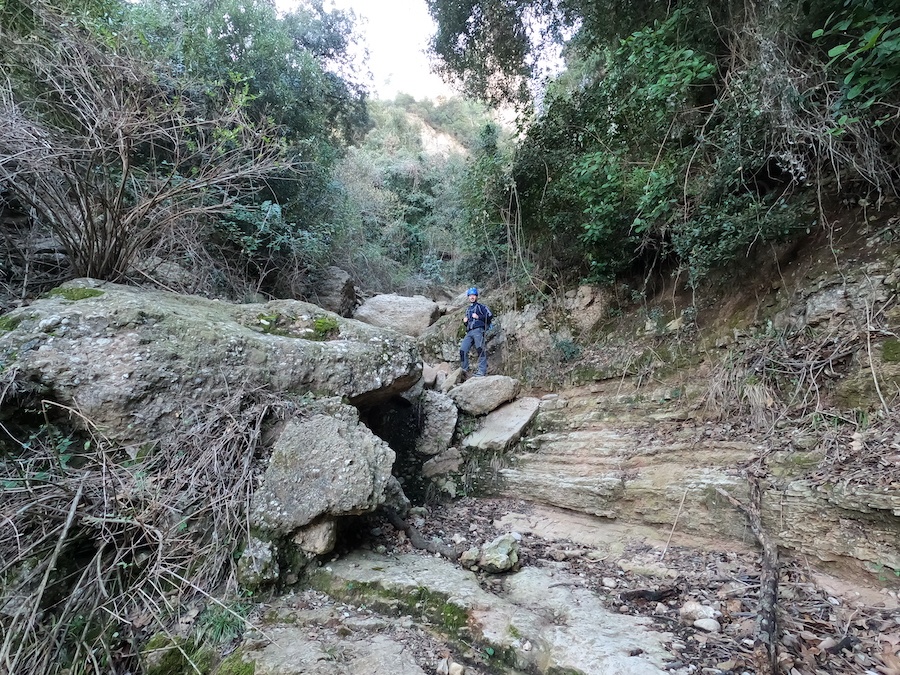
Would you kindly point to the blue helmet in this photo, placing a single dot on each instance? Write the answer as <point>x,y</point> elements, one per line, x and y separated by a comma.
<point>472,291</point>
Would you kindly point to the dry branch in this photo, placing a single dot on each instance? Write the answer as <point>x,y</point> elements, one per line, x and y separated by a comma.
<point>101,548</point>
<point>766,623</point>
<point>110,153</point>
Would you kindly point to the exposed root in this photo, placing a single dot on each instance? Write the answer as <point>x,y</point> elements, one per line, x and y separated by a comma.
<point>416,538</point>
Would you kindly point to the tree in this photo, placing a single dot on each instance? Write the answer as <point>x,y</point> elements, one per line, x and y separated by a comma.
<point>299,76</point>
<point>495,48</point>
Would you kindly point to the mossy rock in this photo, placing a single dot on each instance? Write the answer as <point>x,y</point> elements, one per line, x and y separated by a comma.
<point>164,655</point>
<point>890,351</point>
<point>235,665</point>
<point>858,391</point>
<point>284,325</point>
<point>447,617</point>
<point>74,293</point>
<point>10,323</point>
<point>274,324</point>
<point>325,328</point>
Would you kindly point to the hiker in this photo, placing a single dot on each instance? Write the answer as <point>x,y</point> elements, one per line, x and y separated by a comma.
<point>477,320</point>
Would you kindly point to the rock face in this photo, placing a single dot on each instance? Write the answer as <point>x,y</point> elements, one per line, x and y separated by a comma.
<point>659,467</point>
<point>294,652</point>
<point>145,369</point>
<point>140,363</point>
<point>439,415</point>
<point>541,621</point>
<point>404,314</point>
<point>324,464</point>
<point>587,306</point>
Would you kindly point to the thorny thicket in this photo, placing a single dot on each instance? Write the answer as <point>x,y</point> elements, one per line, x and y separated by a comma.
<point>102,545</point>
<point>110,154</point>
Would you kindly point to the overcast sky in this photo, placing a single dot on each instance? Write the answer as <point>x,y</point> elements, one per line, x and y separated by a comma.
<point>396,33</point>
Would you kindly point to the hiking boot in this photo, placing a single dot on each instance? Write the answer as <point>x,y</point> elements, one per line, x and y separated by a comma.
<point>478,375</point>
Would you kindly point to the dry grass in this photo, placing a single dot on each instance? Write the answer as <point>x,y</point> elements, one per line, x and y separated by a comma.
<point>779,376</point>
<point>103,546</point>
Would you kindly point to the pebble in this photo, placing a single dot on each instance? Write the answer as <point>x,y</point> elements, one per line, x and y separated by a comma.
<point>609,582</point>
<point>693,610</point>
<point>709,625</point>
<point>457,669</point>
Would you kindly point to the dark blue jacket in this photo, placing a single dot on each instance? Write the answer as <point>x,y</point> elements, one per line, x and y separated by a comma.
<point>484,316</point>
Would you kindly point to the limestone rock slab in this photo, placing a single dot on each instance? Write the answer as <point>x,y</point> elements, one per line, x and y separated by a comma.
<point>141,363</point>
<point>542,620</point>
<point>293,652</point>
<point>439,415</point>
<point>448,461</point>
<point>321,465</point>
<point>504,426</point>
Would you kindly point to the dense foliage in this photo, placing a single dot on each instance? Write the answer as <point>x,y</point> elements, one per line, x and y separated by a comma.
<point>677,136</point>
<point>685,134</point>
<point>405,220</point>
<point>241,80</point>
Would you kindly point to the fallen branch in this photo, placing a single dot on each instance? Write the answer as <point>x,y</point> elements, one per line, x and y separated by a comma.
<point>649,595</point>
<point>766,623</point>
<point>416,538</point>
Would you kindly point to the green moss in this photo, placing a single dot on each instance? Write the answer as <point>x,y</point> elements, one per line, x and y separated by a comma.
<point>890,351</point>
<point>74,293</point>
<point>858,392</point>
<point>164,655</point>
<point>8,323</point>
<point>235,665</point>
<point>325,327</point>
<point>272,324</point>
<point>586,374</point>
<point>450,619</point>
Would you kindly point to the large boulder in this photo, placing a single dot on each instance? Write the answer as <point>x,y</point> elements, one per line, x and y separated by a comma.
<point>439,415</point>
<point>324,464</point>
<point>404,314</point>
<point>139,364</point>
<point>481,395</point>
<point>334,290</point>
<point>586,306</point>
